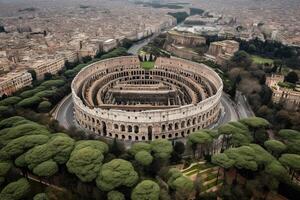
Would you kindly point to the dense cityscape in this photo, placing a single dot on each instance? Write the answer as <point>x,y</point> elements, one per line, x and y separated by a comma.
<point>149,100</point>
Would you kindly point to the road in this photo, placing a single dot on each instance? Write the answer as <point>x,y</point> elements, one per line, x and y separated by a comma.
<point>230,110</point>
<point>137,46</point>
<point>64,112</point>
<point>243,107</point>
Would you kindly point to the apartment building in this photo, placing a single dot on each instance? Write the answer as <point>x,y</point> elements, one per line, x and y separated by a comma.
<point>52,66</point>
<point>13,81</point>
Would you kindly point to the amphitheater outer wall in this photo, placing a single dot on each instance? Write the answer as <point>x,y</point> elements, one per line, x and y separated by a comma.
<point>149,124</point>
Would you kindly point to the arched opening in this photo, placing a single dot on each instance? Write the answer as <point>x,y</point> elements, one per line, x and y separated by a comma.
<point>122,127</point>
<point>136,129</point>
<point>116,126</point>
<point>149,132</point>
<point>194,121</point>
<point>176,126</point>
<point>143,138</point>
<point>170,136</point>
<point>129,137</point>
<point>136,138</point>
<point>189,122</point>
<point>183,124</point>
<point>163,128</point>
<point>170,127</point>
<point>104,128</point>
<point>129,128</point>
<point>123,137</point>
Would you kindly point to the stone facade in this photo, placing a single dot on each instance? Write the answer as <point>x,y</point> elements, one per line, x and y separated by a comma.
<point>288,97</point>
<point>181,44</point>
<point>52,66</point>
<point>185,39</point>
<point>96,111</point>
<point>222,51</point>
<point>14,81</point>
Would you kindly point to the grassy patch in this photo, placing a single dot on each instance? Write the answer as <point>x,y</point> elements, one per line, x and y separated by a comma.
<point>261,60</point>
<point>147,65</point>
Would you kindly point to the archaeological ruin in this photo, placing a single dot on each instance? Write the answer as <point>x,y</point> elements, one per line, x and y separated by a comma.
<point>117,98</point>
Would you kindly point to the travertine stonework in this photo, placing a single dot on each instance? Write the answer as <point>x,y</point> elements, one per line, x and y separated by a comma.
<point>290,98</point>
<point>116,98</point>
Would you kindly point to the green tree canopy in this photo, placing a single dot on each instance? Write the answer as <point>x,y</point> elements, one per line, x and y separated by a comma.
<point>161,148</point>
<point>289,134</point>
<point>10,101</point>
<point>140,146</point>
<point>292,77</point>
<point>115,173</point>
<point>115,195</point>
<point>255,122</point>
<point>46,169</point>
<point>222,160</point>
<point>243,156</point>
<point>4,168</point>
<point>85,163</point>
<point>146,190</point>
<point>95,144</point>
<point>292,161</point>
<point>20,145</point>
<point>22,130</point>
<point>9,122</point>
<point>30,102</point>
<point>44,106</point>
<point>41,196</point>
<point>16,190</point>
<point>144,158</point>
<point>200,138</point>
<point>57,148</point>
<point>241,59</point>
<point>276,169</point>
<point>53,83</point>
<point>275,147</point>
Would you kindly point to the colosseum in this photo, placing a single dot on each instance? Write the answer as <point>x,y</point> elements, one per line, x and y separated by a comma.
<point>117,98</point>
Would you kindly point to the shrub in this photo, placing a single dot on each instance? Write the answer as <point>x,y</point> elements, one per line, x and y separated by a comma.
<point>10,101</point>
<point>44,106</point>
<point>30,102</point>
<point>53,83</point>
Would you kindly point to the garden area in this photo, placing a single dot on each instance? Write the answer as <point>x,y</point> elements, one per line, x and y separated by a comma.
<point>261,60</point>
<point>147,65</point>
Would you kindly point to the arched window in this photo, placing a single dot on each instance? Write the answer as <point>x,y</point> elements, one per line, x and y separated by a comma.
<point>176,126</point>
<point>183,124</point>
<point>189,122</point>
<point>199,119</point>
<point>116,126</point>
<point>136,129</point>
<point>163,128</point>
<point>122,127</point>
<point>170,127</point>
<point>129,128</point>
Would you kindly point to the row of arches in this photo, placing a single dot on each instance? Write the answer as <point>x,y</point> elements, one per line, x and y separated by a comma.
<point>121,131</point>
<point>149,135</point>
